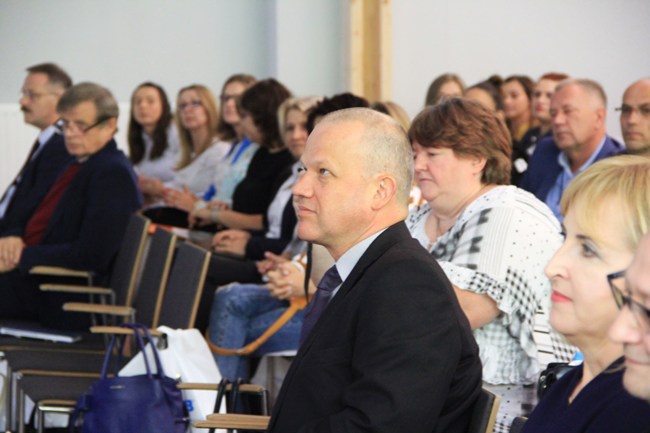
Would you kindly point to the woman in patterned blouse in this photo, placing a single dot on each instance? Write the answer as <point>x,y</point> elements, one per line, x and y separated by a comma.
<point>491,239</point>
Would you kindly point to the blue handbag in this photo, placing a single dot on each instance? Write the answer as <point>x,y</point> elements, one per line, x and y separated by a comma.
<point>132,404</point>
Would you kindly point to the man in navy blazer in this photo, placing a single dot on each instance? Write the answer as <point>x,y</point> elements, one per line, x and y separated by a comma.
<point>392,350</point>
<point>43,86</point>
<point>578,112</point>
<point>80,222</point>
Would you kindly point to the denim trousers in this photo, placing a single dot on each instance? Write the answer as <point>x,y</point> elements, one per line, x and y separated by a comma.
<point>240,314</point>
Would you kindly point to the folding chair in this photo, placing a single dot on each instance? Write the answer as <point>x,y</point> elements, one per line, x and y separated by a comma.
<point>518,424</point>
<point>484,413</point>
<point>178,310</point>
<point>122,284</point>
<point>63,358</point>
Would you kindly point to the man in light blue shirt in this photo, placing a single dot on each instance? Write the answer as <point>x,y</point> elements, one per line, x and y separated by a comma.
<point>578,113</point>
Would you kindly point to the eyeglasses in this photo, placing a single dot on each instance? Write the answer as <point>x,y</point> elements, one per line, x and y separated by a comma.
<point>627,110</point>
<point>32,95</point>
<point>192,104</point>
<point>67,125</point>
<point>225,98</point>
<point>640,313</point>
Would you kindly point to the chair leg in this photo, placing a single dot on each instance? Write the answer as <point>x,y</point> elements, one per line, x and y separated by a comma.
<point>40,419</point>
<point>20,395</point>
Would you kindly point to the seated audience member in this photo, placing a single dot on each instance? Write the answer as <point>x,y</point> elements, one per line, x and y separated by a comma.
<point>385,346</point>
<point>516,93</point>
<point>231,169</point>
<point>606,211</point>
<point>237,319</point>
<point>42,88</point>
<point>444,86</point>
<point>487,94</point>
<point>541,112</point>
<point>241,313</point>
<point>80,222</point>
<point>491,239</point>
<point>635,117</point>
<point>270,233</point>
<point>153,138</point>
<point>258,109</point>
<point>578,111</point>
<point>197,116</point>
<point>632,325</point>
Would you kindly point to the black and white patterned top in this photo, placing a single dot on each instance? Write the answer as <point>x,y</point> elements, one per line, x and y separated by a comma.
<point>499,246</point>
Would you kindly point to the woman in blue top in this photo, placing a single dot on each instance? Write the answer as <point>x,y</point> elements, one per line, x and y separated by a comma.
<point>606,212</point>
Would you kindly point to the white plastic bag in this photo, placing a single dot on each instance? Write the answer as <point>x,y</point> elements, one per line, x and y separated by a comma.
<point>188,358</point>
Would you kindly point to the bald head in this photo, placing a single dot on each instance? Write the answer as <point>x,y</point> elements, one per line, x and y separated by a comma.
<point>384,144</point>
<point>635,116</point>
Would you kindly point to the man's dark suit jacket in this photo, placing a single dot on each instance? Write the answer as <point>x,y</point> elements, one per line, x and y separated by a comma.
<point>543,168</point>
<point>39,175</point>
<point>393,352</point>
<point>86,228</point>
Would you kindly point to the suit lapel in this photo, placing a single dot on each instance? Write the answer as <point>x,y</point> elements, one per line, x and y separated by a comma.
<point>377,248</point>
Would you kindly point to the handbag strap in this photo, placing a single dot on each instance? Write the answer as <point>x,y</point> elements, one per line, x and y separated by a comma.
<point>154,350</point>
<point>110,351</point>
<point>297,303</point>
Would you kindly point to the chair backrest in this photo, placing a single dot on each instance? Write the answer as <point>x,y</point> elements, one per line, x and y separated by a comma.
<point>484,413</point>
<point>184,287</point>
<point>518,424</point>
<point>127,263</point>
<point>154,276</point>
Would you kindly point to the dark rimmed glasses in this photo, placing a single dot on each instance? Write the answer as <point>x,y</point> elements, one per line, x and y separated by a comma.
<point>67,125</point>
<point>640,312</point>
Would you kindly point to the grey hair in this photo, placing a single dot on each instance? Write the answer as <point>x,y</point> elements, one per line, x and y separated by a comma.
<point>387,147</point>
<point>589,86</point>
<point>101,97</point>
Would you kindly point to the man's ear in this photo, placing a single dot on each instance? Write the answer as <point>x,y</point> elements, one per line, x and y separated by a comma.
<point>111,124</point>
<point>386,188</point>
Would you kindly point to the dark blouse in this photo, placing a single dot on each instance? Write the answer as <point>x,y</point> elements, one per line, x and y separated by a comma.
<point>255,192</point>
<point>522,151</point>
<point>603,406</point>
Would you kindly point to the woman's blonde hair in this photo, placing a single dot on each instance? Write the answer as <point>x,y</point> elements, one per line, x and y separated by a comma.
<point>304,104</point>
<point>212,112</point>
<point>624,178</point>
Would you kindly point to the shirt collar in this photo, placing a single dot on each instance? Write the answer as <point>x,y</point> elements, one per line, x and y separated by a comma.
<point>563,160</point>
<point>47,133</point>
<point>349,259</point>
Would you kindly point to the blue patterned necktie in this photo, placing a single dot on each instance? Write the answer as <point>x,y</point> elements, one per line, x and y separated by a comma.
<point>330,281</point>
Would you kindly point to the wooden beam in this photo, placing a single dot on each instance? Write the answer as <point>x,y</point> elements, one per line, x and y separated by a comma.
<point>371,48</point>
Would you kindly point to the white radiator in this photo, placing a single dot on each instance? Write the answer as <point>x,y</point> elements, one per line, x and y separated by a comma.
<point>16,138</point>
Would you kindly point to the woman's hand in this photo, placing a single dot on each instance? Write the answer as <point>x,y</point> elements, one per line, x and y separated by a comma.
<point>270,262</point>
<point>206,214</point>
<point>231,242</point>
<point>182,199</point>
<point>151,186</point>
<point>286,281</point>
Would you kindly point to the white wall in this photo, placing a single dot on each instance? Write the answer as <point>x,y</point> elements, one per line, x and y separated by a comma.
<point>600,39</point>
<point>122,43</point>
<point>303,43</point>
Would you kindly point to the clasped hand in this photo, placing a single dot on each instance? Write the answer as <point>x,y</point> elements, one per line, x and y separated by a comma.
<point>11,250</point>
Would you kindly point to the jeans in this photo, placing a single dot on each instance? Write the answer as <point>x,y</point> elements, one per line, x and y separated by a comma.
<point>240,314</point>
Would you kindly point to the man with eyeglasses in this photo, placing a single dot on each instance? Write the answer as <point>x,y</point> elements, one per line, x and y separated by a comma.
<point>43,86</point>
<point>635,117</point>
<point>80,222</point>
<point>632,327</point>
